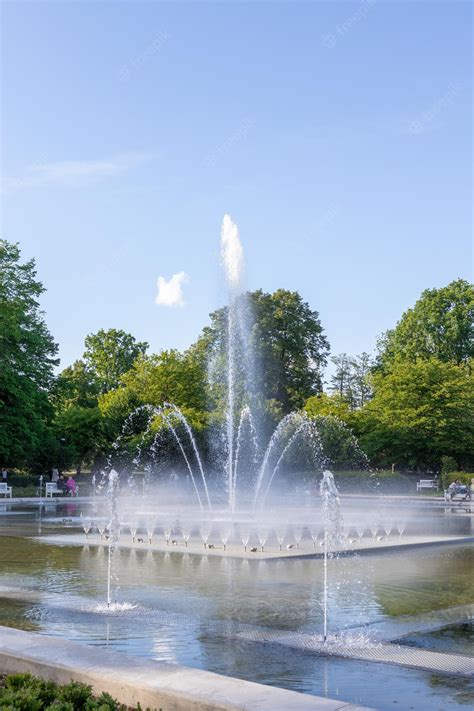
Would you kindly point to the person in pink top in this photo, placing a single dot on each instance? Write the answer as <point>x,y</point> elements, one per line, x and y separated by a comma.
<point>71,486</point>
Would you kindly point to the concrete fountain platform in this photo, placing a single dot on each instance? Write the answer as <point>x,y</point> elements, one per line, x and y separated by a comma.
<point>158,685</point>
<point>395,628</point>
<point>305,550</point>
<point>348,647</point>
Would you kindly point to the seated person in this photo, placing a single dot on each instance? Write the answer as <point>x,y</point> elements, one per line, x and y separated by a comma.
<point>61,484</point>
<point>71,486</point>
<point>456,487</point>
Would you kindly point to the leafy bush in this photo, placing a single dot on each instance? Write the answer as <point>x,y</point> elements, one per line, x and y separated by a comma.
<point>382,481</point>
<point>76,694</point>
<point>24,692</point>
<point>448,465</point>
<point>22,479</point>
<point>449,477</point>
<point>339,445</point>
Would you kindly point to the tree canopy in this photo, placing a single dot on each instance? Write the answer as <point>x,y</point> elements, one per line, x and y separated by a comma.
<point>420,412</point>
<point>286,348</point>
<point>110,354</point>
<point>27,358</point>
<point>75,385</point>
<point>414,406</point>
<point>290,345</point>
<point>82,431</point>
<point>440,325</point>
<point>169,376</point>
<point>325,405</point>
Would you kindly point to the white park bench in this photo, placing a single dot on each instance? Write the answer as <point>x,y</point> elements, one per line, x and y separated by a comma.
<point>5,489</point>
<point>427,484</point>
<point>51,489</point>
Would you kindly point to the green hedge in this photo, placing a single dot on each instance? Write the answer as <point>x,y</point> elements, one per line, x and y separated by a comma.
<point>22,479</point>
<point>24,692</point>
<point>381,481</point>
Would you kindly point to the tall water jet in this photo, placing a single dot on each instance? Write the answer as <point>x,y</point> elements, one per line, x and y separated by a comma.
<point>245,418</point>
<point>288,423</point>
<point>332,521</point>
<point>302,427</point>
<point>232,260</point>
<point>177,412</point>
<point>170,414</point>
<point>114,528</point>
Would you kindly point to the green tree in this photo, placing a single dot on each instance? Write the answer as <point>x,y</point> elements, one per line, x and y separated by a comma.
<point>440,325</point>
<point>110,354</point>
<point>341,379</point>
<point>83,431</point>
<point>75,385</point>
<point>448,465</point>
<point>420,412</point>
<point>290,347</point>
<point>324,405</point>
<point>78,424</point>
<point>351,379</point>
<point>340,446</point>
<point>283,353</point>
<point>362,366</point>
<point>27,358</point>
<point>169,376</point>
<point>115,406</point>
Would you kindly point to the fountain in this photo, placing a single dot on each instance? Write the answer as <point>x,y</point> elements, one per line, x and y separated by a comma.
<point>250,491</point>
<point>245,522</point>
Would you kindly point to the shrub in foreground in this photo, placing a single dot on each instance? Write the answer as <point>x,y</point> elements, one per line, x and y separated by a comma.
<point>24,692</point>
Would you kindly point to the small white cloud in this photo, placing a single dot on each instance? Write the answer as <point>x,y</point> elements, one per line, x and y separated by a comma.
<point>170,292</point>
<point>73,173</point>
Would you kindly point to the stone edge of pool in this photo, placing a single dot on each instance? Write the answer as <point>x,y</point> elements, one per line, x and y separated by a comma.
<point>159,685</point>
<point>396,498</point>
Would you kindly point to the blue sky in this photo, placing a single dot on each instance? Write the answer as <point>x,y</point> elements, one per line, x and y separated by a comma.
<point>338,135</point>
